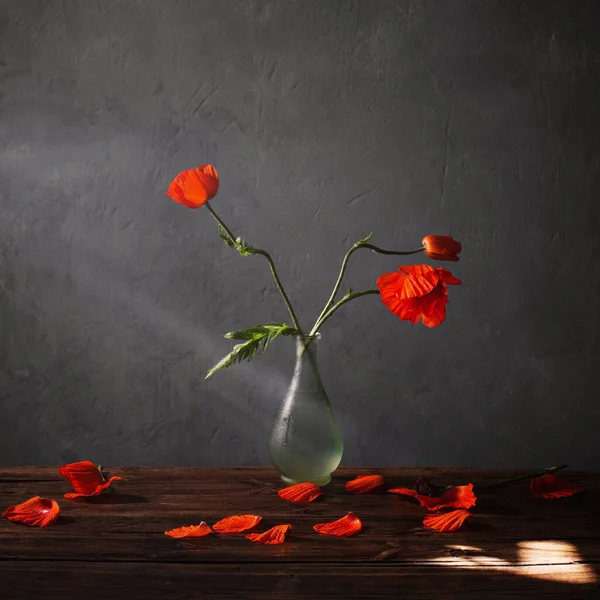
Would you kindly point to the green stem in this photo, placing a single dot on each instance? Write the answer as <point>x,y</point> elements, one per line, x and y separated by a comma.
<point>349,296</point>
<point>278,283</point>
<point>336,287</point>
<point>520,478</point>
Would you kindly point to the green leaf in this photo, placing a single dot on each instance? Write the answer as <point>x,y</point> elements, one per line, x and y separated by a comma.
<point>364,240</point>
<point>251,338</point>
<point>243,247</point>
<point>225,236</point>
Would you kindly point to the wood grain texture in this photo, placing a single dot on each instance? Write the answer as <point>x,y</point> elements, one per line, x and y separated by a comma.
<point>515,540</point>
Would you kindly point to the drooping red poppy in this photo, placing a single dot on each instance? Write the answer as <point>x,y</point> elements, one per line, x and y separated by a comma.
<point>447,522</point>
<point>364,483</point>
<point>417,292</point>
<point>236,523</point>
<point>190,531</point>
<point>551,486</point>
<point>344,527</point>
<point>458,496</point>
<point>301,492</point>
<point>441,247</point>
<point>194,187</point>
<point>36,512</point>
<point>86,478</point>
<point>275,535</point>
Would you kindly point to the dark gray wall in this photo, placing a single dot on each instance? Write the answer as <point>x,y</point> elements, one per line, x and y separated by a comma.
<point>327,120</point>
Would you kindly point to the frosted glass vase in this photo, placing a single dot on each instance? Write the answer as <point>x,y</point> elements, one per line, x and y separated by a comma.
<point>306,444</point>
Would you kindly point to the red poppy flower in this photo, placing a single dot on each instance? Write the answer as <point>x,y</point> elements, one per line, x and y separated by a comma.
<point>344,527</point>
<point>364,483</point>
<point>441,247</point>
<point>415,292</point>
<point>275,535</point>
<point>458,496</point>
<point>236,524</point>
<point>36,512</point>
<point>194,187</point>
<point>301,492</point>
<point>551,486</point>
<point>190,531</point>
<point>86,479</point>
<point>447,522</point>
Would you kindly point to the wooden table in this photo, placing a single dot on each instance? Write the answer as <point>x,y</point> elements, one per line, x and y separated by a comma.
<point>113,546</point>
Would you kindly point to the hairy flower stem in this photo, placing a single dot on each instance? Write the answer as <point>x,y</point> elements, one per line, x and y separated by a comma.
<point>349,296</point>
<point>278,283</point>
<point>519,478</point>
<point>328,311</point>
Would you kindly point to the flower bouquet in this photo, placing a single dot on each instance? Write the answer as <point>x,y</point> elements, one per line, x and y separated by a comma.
<point>305,443</point>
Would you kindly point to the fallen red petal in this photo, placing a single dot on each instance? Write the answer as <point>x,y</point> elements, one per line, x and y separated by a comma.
<point>551,486</point>
<point>364,483</point>
<point>236,523</point>
<point>458,496</point>
<point>86,479</point>
<point>346,526</point>
<point>190,531</point>
<point>447,522</point>
<point>36,512</point>
<point>404,492</point>
<point>275,535</point>
<point>301,492</point>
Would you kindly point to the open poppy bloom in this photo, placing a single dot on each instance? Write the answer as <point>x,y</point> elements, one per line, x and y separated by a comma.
<point>275,535</point>
<point>86,479</point>
<point>190,531</point>
<point>447,522</point>
<point>441,247</point>
<point>551,486</point>
<point>344,527</point>
<point>236,524</point>
<point>301,492</point>
<point>364,483</point>
<point>458,496</point>
<point>36,512</point>
<point>417,292</point>
<point>194,187</point>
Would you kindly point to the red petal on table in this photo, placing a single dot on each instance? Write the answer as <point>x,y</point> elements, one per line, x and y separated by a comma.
<point>551,486</point>
<point>458,496</point>
<point>236,524</point>
<point>301,492</point>
<point>447,521</point>
<point>275,535</point>
<point>86,479</point>
<point>190,531</point>
<point>404,492</point>
<point>364,483</point>
<point>346,526</point>
<point>36,512</point>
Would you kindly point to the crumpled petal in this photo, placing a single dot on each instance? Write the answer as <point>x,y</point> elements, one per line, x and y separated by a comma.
<point>364,483</point>
<point>236,523</point>
<point>301,492</point>
<point>447,522</point>
<point>346,526</point>
<point>36,512</point>
<point>86,479</point>
<point>551,486</point>
<point>458,496</point>
<point>275,535</point>
<point>190,531</point>
<point>194,187</point>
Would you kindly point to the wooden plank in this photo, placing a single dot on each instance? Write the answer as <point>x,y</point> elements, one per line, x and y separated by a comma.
<point>58,580</point>
<point>130,524</point>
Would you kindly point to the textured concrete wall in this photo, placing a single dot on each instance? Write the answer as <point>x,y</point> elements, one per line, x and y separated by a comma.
<point>327,120</point>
